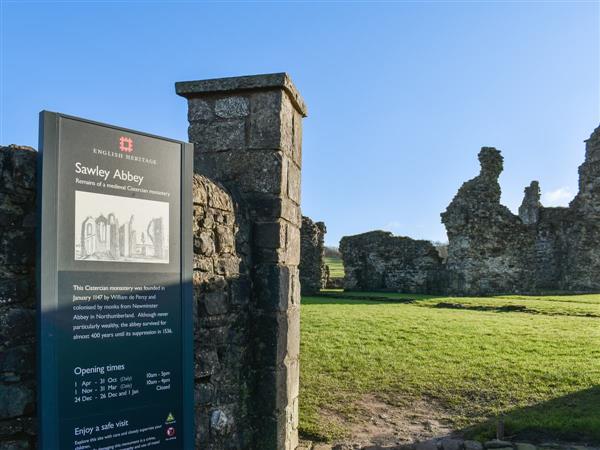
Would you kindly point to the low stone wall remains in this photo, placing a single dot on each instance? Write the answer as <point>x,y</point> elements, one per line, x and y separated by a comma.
<point>313,272</point>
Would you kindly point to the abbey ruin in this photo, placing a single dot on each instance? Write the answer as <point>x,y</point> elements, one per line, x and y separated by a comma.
<point>313,272</point>
<point>490,249</point>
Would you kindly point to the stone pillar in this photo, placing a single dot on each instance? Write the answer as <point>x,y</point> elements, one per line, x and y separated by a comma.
<point>529,211</point>
<point>247,133</point>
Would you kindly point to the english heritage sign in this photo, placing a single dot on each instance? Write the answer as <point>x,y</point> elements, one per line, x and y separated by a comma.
<point>115,266</point>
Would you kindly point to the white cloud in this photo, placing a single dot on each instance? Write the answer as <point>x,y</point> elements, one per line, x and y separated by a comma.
<point>558,197</point>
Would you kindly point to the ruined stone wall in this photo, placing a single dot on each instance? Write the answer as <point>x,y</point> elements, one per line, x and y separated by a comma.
<point>490,249</point>
<point>493,251</point>
<point>17,298</point>
<point>313,272</point>
<point>378,260</point>
<point>582,236</point>
<point>221,281</point>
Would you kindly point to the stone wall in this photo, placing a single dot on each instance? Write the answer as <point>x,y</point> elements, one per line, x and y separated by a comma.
<point>378,260</point>
<point>17,298</point>
<point>313,272</point>
<point>490,249</point>
<point>221,282</point>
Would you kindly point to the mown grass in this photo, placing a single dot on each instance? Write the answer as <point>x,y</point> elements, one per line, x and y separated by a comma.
<point>535,360</point>
<point>336,267</point>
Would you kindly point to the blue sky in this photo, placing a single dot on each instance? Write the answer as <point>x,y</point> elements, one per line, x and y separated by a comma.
<point>401,96</point>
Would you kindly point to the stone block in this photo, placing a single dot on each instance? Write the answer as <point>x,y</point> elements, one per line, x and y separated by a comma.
<point>248,172</point>
<point>293,187</point>
<point>219,135</point>
<point>225,239</point>
<point>452,444</point>
<point>476,445</point>
<point>268,208</point>
<point>204,393</point>
<point>498,444</point>
<point>203,264</point>
<point>270,235</point>
<point>16,324</point>
<point>207,363</point>
<point>16,400</point>
<point>220,422</point>
<point>219,198</point>
<point>199,190</point>
<point>240,291</point>
<point>215,303</point>
<point>232,107</point>
<point>297,143</point>
<point>279,335</point>
<point>200,110</point>
<point>18,360</point>
<point>287,126</point>
<point>16,289</point>
<point>227,265</point>
<point>265,120</point>
<point>273,287</point>
<point>292,248</point>
<point>205,243</point>
<point>292,371</point>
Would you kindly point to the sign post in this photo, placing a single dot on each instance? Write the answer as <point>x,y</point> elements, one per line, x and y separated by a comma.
<point>114,287</point>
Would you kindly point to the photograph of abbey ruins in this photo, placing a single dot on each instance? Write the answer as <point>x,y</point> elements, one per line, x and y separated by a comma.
<point>396,211</point>
<point>122,229</point>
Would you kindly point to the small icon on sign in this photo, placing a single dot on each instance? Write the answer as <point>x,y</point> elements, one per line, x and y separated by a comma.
<point>170,432</point>
<point>170,418</point>
<point>126,144</point>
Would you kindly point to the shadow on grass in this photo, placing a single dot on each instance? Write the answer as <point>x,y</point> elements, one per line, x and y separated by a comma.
<point>508,309</point>
<point>572,418</point>
<point>368,298</point>
<point>360,299</point>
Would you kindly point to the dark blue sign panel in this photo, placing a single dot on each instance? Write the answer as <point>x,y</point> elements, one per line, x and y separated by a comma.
<point>115,262</point>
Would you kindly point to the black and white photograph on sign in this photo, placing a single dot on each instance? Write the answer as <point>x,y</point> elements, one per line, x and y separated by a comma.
<point>120,229</point>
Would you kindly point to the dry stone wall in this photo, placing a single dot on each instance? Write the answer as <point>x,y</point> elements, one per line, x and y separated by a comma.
<point>378,260</point>
<point>17,298</point>
<point>221,281</point>
<point>313,272</point>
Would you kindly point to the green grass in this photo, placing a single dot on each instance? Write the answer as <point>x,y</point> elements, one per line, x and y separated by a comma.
<point>336,267</point>
<point>535,360</point>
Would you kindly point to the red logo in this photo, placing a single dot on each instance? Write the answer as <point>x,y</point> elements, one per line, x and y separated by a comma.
<point>170,432</point>
<point>126,144</point>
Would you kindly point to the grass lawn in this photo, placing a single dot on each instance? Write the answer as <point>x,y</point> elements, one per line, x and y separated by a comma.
<point>336,267</point>
<point>536,360</point>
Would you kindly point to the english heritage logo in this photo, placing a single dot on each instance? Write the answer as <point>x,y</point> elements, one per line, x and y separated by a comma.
<point>126,144</point>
